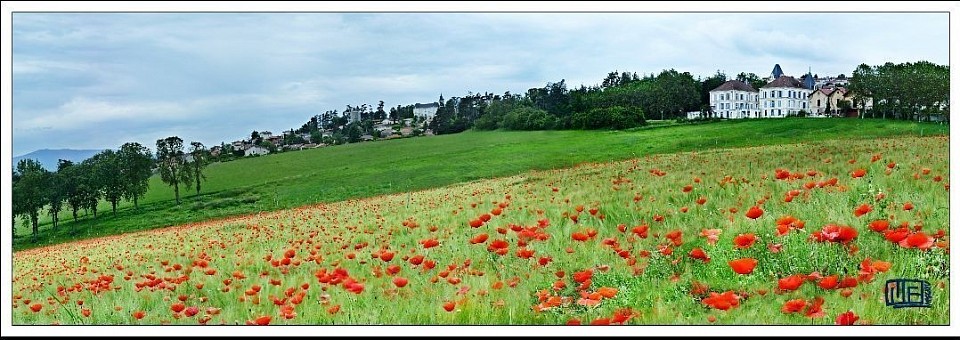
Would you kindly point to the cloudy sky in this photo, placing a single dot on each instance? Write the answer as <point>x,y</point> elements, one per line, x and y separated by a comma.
<point>94,81</point>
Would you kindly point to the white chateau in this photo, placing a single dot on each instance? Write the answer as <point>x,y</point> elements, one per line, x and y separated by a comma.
<point>734,99</point>
<point>782,96</point>
<point>426,111</point>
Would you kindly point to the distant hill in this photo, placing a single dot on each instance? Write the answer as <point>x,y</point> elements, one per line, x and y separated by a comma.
<point>49,158</point>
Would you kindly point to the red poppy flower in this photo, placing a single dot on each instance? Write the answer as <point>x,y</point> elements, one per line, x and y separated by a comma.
<point>863,209</point>
<point>781,174</point>
<point>744,241</point>
<point>191,311</point>
<point>790,282</point>
<point>815,309</point>
<point>848,282</point>
<point>675,236</point>
<point>178,307</point>
<point>722,301</point>
<point>834,233</point>
<point>622,315</point>
<point>582,276</point>
<point>641,230</point>
<point>497,244</point>
<point>701,200</point>
<point>139,314</point>
<point>387,256</point>
<point>36,307</point>
<point>793,306</point>
<point>847,319</point>
<point>879,225</point>
<point>485,217</point>
<point>699,254</point>
<point>600,322</point>
<point>416,260</point>
<point>479,238</point>
<point>783,229</point>
<point>400,282</point>
<point>429,243</point>
<point>858,173</point>
<point>881,266</point>
<point>917,240</point>
<point>688,188</point>
<point>449,305</point>
<point>476,223</point>
<point>578,236</point>
<point>754,212</point>
<point>743,266</point>
<point>896,235</point>
<point>829,282</point>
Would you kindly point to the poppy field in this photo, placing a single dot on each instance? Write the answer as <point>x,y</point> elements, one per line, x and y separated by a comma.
<point>799,234</point>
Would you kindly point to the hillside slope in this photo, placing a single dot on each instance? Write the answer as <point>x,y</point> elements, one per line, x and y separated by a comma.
<point>368,169</point>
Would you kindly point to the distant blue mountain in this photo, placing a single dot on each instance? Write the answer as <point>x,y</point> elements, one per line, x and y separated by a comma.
<point>49,158</point>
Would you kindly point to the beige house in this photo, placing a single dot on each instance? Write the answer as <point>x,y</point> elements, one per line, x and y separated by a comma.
<point>826,101</point>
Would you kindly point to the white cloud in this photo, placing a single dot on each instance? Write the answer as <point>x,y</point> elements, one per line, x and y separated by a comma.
<point>82,113</point>
<point>221,75</point>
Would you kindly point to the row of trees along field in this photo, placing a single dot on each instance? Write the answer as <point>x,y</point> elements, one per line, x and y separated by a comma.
<point>622,100</point>
<point>910,91</point>
<point>111,175</point>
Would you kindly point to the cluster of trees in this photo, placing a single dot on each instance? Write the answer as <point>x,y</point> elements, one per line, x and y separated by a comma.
<point>177,167</point>
<point>909,91</point>
<point>622,100</point>
<point>109,175</point>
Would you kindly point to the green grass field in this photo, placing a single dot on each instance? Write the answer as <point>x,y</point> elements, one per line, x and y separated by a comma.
<point>332,174</point>
<point>647,241</point>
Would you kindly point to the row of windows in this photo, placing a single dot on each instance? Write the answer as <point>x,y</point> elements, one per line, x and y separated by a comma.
<point>737,96</point>
<point>789,104</point>
<point>779,94</point>
<point>738,106</point>
<point>755,114</point>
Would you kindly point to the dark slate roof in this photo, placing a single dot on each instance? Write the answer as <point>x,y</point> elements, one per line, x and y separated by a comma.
<point>808,81</point>
<point>784,81</point>
<point>777,72</point>
<point>735,85</point>
<point>420,106</point>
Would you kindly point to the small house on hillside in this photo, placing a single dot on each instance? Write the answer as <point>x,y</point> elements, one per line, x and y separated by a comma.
<point>255,150</point>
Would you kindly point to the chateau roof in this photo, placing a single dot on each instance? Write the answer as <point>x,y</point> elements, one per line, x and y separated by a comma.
<point>784,81</point>
<point>737,85</point>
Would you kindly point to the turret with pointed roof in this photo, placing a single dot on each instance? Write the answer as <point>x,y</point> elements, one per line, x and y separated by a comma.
<point>777,72</point>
